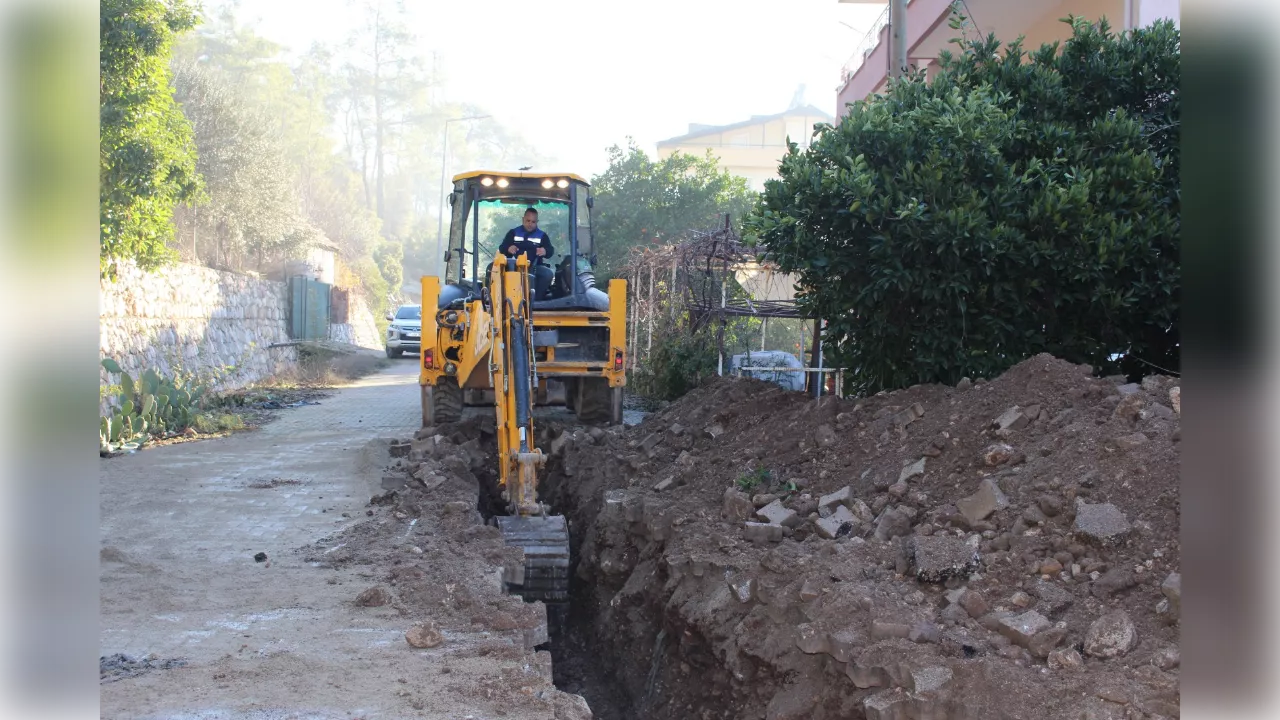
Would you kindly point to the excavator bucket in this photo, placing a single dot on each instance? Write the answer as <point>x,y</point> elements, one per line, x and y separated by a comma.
<point>545,541</point>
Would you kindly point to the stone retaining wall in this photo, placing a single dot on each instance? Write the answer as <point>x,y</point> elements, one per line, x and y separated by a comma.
<point>195,319</point>
<point>361,331</point>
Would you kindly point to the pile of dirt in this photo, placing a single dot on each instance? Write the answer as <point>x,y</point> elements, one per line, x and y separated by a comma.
<point>436,562</point>
<point>1001,549</point>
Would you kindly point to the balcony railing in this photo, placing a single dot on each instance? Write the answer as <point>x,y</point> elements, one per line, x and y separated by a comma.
<point>864,48</point>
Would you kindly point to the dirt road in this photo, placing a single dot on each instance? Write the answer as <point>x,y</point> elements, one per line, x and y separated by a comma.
<point>280,638</point>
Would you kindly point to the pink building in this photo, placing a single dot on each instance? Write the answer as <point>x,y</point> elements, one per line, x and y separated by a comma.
<point>928,32</point>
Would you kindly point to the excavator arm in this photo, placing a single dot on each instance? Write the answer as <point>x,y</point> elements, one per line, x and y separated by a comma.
<point>513,366</point>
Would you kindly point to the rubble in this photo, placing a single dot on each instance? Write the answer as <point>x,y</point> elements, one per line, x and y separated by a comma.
<point>1111,635</point>
<point>832,525</point>
<point>982,503</point>
<point>1020,629</point>
<point>775,513</point>
<point>912,470</point>
<point>992,537</point>
<point>424,635</point>
<point>376,596</point>
<point>938,558</point>
<point>1102,523</point>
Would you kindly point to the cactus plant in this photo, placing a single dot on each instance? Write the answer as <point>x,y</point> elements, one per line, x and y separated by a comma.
<point>150,406</point>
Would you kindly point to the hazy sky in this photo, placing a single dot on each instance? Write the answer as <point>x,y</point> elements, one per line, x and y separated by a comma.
<point>575,76</point>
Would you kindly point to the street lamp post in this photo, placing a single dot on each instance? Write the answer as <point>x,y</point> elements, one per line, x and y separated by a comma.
<point>444,162</point>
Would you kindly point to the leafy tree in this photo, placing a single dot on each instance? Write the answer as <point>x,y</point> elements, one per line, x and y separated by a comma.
<point>638,199</point>
<point>253,210</point>
<point>1014,204</point>
<point>147,156</point>
<point>389,259</point>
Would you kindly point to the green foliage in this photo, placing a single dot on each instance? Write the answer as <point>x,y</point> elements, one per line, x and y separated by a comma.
<point>377,292</point>
<point>758,476</point>
<point>146,157</point>
<point>149,407</point>
<point>1014,204</point>
<point>638,199</point>
<point>389,257</point>
<point>253,210</point>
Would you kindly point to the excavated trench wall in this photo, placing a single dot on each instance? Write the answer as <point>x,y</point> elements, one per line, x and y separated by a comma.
<point>919,606</point>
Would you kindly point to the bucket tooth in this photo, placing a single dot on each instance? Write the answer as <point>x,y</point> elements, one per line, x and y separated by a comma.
<point>545,541</point>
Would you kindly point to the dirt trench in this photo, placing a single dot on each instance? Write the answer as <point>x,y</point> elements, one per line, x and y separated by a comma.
<point>1003,549</point>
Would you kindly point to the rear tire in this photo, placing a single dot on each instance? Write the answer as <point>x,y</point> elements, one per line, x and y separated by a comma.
<point>442,403</point>
<point>596,402</point>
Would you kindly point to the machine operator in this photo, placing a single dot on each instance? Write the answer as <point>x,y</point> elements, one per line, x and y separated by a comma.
<point>536,245</point>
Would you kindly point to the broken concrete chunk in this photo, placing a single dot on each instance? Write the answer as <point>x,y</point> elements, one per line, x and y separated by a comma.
<point>1051,599</point>
<point>939,557</point>
<point>892,524</point>
<point>844,644</point>
<point>1101,522</point>
<point>685,459</point>
<point>980,505</point>
<point>1129,389</point>
<point>964,384</point>
<point>1175,397</point>
<point>861,511</point>
<point>909,415</point>
<point>912,470</point>
<point>881,630</point>
<point>809,591</point>
<point>1046,641</point>
<point>929,679</point>
<point>1011,419</point>
<point>744,589</point>
<point>778,514</point>
<point>651,442</point>
<point>810,640</point>
<point>760,533</point>
<point>664,484</point>
<point>843,496</point>
<point>830,526</point>
<point>1019,629</point>
<point>713,431</point>
<point>1111,635</point>
<point>736,505</point>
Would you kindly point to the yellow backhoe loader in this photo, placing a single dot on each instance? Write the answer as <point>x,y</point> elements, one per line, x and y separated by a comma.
<point>497,330</point>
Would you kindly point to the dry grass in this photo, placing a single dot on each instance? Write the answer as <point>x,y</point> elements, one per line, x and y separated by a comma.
<point>323,366</point>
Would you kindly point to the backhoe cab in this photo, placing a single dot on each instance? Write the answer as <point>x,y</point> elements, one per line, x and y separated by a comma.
<point>578,335</point>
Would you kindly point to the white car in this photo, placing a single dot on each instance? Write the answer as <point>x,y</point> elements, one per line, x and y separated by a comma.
<point>405,332</point>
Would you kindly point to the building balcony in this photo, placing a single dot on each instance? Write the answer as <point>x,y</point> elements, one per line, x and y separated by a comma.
<point>929,33</point>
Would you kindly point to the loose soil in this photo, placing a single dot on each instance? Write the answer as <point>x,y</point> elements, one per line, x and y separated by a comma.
<point>678,613</point>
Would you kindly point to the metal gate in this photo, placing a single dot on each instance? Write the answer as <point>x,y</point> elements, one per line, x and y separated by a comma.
<point>308,308</point>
